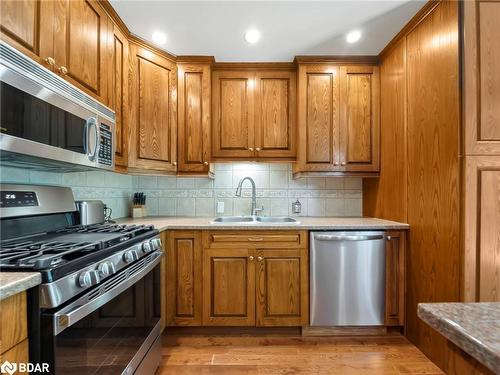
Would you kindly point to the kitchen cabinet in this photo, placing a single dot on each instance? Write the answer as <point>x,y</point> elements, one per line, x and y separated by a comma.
<point>255,278</point>
<point>229,287</point>
<point>68,37</point>
<point>183,278</point>
<point>253,114</point>
<point>395,276</point>
<point>14,337</point>
<point>153,112</point>
<point>194,136</point>
<point>118,92</point>
<point>338,126</point>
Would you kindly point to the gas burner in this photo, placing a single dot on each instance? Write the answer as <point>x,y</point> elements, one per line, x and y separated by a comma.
<point>129,230</point>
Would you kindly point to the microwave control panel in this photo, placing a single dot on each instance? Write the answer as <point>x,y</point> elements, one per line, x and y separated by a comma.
<point>106,145</point>
<point>10,199</point>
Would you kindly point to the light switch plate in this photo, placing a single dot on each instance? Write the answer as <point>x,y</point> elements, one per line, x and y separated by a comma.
<point>220,207</point>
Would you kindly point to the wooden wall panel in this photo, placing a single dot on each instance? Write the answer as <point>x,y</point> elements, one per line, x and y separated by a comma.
<point>433,171</point>
<point>387,196</point>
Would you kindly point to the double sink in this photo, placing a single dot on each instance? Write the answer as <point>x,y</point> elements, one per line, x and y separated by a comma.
<point>254,220</point>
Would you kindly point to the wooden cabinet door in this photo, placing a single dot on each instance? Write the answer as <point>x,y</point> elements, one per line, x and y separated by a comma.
<point>80,45</point>
<point>395,276</point>
<point>118,92</point>
<point>359,119</point>
<point>184,278</point>
<point>194,118</point>
<point>28,26</point>
<point>481,229</point>
<point>233,114</point>
<point>282,288</point>
<point>228,287</point>
<point>153,118</point>
<point>318,118</point>
<point>275,114</point>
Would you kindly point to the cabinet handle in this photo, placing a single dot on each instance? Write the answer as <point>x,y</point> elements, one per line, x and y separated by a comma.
<point>250,148</point>
<point>63,70</point>
<point>174,163</point>
<point>50,61</point>
<point>205,163</point>
<point>389,238</point>
<point>257,149</point>
<point>260,259</point>
<point>336,163</point>
<point>343,163</point>
<point>250,257</point>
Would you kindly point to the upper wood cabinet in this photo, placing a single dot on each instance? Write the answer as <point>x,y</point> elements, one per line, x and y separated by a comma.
<point>118,92</point>
<point>28,25</point>
<point>68,37</point>
<point>153,112</point>
<point>338,119</point>
<point>253,114</point>
<point>194,93</point>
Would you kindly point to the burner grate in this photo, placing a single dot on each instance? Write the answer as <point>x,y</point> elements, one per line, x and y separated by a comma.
<point>129,230</point>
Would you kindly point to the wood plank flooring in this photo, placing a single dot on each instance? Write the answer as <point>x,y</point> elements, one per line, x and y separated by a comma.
<point>278,354</point>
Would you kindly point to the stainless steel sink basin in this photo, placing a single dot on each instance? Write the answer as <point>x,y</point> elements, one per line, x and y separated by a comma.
<point>233,219</point>
<point>254,220</point>
<point>271,219</point>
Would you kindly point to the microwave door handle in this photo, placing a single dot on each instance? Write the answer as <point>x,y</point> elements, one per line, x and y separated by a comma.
<point>91,121</point>
<point>97,142</point>
<point>77,310</point>
<point>86,138</point>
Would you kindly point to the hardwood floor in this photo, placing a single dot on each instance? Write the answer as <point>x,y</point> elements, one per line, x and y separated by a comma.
<point>237,354</point>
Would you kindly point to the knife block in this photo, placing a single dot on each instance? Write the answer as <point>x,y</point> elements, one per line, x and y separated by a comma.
<point>139,211</point>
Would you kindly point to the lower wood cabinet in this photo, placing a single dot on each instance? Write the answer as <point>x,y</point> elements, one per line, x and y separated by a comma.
<point>395,275</point>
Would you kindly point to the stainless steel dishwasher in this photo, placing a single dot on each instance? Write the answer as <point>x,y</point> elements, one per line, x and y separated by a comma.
<point>347,278</point>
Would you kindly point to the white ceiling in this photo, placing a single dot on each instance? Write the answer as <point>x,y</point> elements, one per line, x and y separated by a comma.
<point>288,28</point>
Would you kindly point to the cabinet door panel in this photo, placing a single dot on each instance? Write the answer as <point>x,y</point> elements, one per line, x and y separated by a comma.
<point>153,92</point>
<point>359,119</point>
<point>28,26</point>
<point>184,278</point>
<point>194,117</point>
<point>119,93</point>
<point>282,295</point>
<point>395,287</point>
<point>275,117</point>
<point>318,118</point>
<point>80,45</point>
<point>229,282</point>
<point>233,111</point>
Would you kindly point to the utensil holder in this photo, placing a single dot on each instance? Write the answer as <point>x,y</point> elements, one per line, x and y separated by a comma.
<point>139,211</point>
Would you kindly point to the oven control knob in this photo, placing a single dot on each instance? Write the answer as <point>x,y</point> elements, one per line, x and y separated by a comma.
<point>130,256</point>
<point>147,247</point>
<point>105,269</point>
<point>88,278</point>
<point>156,243</point>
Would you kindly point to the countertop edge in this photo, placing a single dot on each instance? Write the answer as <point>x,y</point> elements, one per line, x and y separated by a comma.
<point>460,337</point>
<point>20,282</point>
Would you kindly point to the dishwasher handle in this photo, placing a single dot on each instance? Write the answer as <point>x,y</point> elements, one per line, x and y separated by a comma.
<point>347,237</point>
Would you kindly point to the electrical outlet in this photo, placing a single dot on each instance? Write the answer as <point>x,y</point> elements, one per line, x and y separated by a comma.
<point>220,207</point>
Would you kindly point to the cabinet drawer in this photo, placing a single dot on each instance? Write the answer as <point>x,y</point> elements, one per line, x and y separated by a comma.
<point>13,309</point>
<point>269,239</point>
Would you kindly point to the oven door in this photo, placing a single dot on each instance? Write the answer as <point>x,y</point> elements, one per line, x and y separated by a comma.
<point>112,329</point>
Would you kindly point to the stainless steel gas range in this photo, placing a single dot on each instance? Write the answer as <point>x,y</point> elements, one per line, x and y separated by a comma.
<point>97,310</point>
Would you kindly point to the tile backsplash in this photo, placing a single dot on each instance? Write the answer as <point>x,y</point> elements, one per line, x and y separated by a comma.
<point>276,190</point>
<point>198,196</point>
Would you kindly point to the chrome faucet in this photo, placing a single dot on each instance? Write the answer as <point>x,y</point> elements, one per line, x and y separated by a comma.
<point>254,194</point>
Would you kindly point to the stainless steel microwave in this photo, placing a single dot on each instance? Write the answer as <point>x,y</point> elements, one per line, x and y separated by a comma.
<point>47,123</point>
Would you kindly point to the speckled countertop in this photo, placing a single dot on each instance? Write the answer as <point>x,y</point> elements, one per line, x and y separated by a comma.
<point>474,327</point>
<point>16,282</point>
<point>313,223</point>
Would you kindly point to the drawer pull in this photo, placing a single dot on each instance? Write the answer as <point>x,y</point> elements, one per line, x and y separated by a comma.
<point>255,239</point>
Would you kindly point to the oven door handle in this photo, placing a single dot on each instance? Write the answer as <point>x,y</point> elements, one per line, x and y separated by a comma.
<point>76,311</point>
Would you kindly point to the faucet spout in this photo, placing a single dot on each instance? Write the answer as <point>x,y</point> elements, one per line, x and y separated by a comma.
<point>254,208</point>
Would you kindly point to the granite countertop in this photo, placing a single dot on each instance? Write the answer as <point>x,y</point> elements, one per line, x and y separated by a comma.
<point>474,327</point>
<point>16,282</point>
<point>317,223</point>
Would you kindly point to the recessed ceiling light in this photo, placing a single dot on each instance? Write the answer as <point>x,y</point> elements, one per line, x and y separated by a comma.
<point>159,38</point>
<point>353,36</point>
<point>252,36</point>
